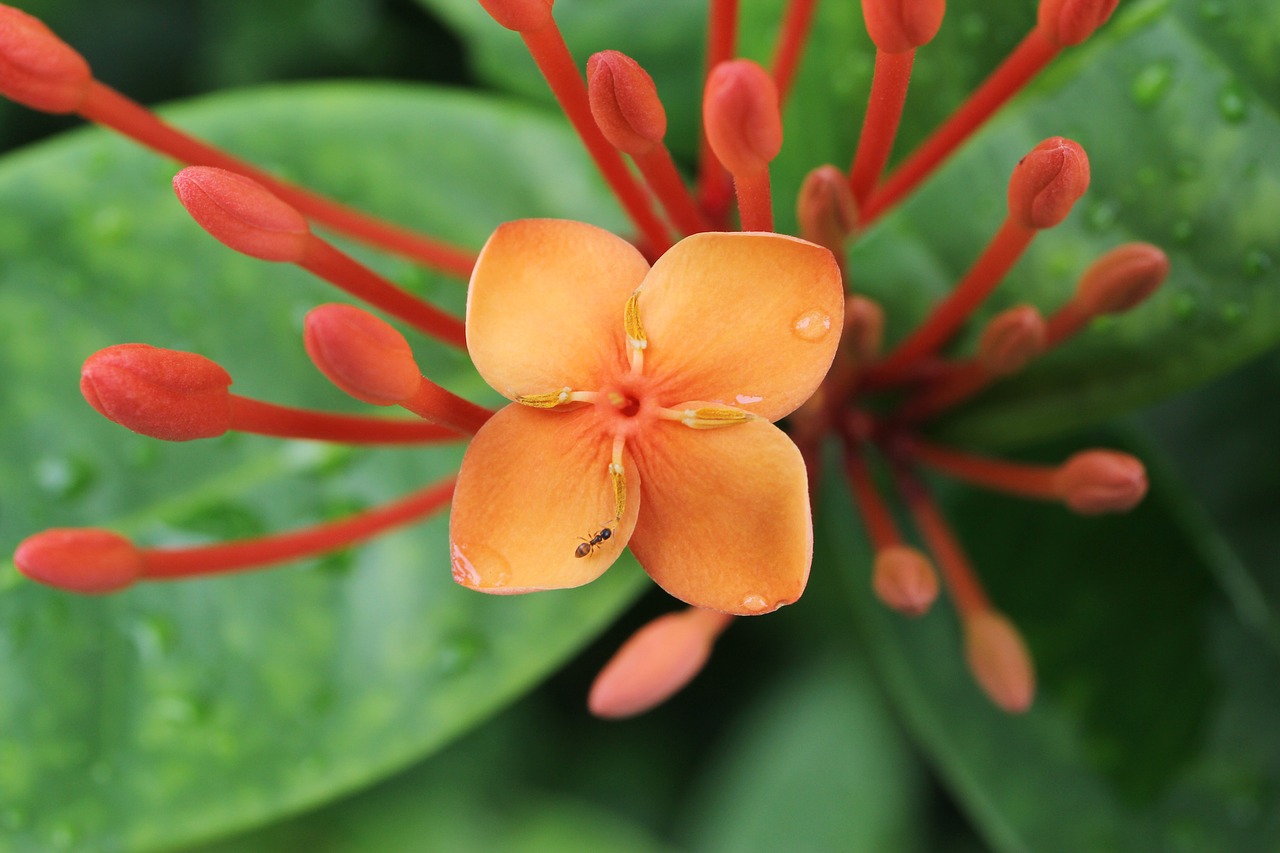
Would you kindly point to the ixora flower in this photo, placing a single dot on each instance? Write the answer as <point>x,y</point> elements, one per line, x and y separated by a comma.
<point>643,396</point>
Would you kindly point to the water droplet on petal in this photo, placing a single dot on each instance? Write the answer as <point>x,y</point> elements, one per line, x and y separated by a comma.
<point>812,325</point>
<point>1151,83</point>
<point>755,603</point>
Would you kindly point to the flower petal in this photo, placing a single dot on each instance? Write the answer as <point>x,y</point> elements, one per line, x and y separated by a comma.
<point>726,522</point>
<point>532,485</point>
<point>744,319</point>
<point>545,306</point>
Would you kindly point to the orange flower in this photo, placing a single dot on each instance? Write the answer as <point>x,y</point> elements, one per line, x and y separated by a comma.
<point>642,414</point>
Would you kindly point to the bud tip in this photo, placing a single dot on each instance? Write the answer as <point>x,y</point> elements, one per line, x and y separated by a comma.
<point>1094,482</point>
<point>1048,182</point>
<point>161,393</point>
<point>999,660</point>
<point>904,580</point>
<point>38,69</point>
<point>741,117</point>
<point>243,214</point>
<point>86,560</point>
<point>624,103</point>
<point>361,354</point>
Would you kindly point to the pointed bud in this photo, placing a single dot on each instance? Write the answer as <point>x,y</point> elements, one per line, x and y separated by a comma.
<point>1011,339</point>
<point>825,208</point>
<point>243,214</point>
<point>1047,182</point>
<point>863,335</point>
<point>897,26</point>
<point>1121,279</point>
<point>904,579</point>
<point>84,560</point>
<point>161,393</point>
<point>624,103</point>
<point>1101,481</point>
<point>38,69</point>
<point>740,114</point>
<point>658,660</point>
<point>362,355</point>
<point>999,660</point>
<point>523,16</point>
<point>1068,22</point>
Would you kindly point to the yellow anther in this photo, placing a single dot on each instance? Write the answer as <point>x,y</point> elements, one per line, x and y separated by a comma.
<point>631,322</point>
<point>619,490</point>
<point>714,417</point>
<point>546,401</point>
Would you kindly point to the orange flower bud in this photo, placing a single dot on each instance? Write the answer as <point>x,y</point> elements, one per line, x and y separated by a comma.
<point>38,69</point>
<point>624,103</point>
<point>897,26</point>
<point>1047,182</point>
<point>243,214</point>
<point>904,579</point>
<point>863,335</point>
<point>162,393</point>
<point>825,208</point>
<point>1101,481</point>
<point>658,660</point>
<point>84,560</point>
<point>1011,339</point>
<point>1068,22</point>
<point>523,16</point>
<point>740,113</point>
<point>362,355</point>
<point>999,660</point>
<point>1121,279</point>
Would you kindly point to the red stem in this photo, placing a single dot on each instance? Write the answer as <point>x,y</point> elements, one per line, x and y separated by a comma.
<point>435,404</point>
<point>1031,55</point>
<point>879,521</point>
<point>170,563</point>
<point>956,385</point>
<point>660,172</point>
<point>108,107</point>
<point>880,127</point>
<point>1063,324</point>
<point>713,181</point>
<point>549,51</point>
<point>791,42</point>
<point>966,590</point>
<point>755,204</point>
<point>262,418</point>
<point>997,258</point>
<point>1015,478</point>
<point>345,272</point>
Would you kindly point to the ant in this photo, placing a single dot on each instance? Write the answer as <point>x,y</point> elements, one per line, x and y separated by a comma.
<point>589,545</point>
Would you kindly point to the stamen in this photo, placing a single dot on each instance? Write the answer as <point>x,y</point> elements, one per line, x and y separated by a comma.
<point>637,340</point>
<point>1118,281</point>
<point>744,128</point>
<point>998,658</point>
<point>245,216</point>
<point>1044,186</point>
<point>792,37</point>
<point>546,401</point>
<point>96,561</point>
<point>714,417</point>
<point>656,663</point>
<point>617,474</point>
<point>625,105</point>
<point>722,32</point>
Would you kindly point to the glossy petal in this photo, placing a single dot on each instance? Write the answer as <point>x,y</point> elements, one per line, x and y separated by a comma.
<point>726,522</point>
<point>545,306</point>
<point>532,485</point>
<point>749,320</point>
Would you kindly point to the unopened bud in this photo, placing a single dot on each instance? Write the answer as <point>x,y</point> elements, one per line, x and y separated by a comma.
<point>825,208</point>
<point>523,16</point>
<point>1011,339</point>
<point>863,335</point>
<point>362,355</point>
<point>243,214</point>
<point>1101,481</point>
<point>1121,279</point>
<point>741,117</point>
<point>624,103</point>
<point>658,660</point>
<point>897,26</point>
<point>999,660</point>
<point>904,579</point>
<point>161,393</point>
<point>1047,182</point>
<point>1068,22</point>
<point>84,560</point>
<point>38,69</point>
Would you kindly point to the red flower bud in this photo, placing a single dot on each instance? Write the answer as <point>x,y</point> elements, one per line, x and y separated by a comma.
<point>624,103</point>
<point>1011,339</point>
<point>84,560</point>
<point>897,26</point>
<point>1068,22</point>
<point>362,355</point>
<point>740,113</point>
<point>38,69</point>
<point>1121,279</point>
<point>523,16</point>
<point>825,208</point>
<point>904,579</point>
<point>1101,481</point>
<point>999,660</point>
<point>1047,182</point>
<point>863,335</point>
<point>243,214</point>
<point>162,393</point>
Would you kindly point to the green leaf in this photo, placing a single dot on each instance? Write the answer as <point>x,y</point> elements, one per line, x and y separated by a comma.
<point>178,711</point>
<point>1153,722</point>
